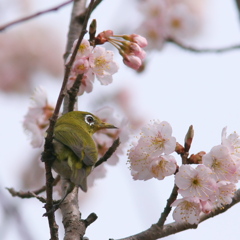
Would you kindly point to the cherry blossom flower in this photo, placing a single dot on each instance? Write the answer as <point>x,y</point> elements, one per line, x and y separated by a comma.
<point>221,163</point>
<point>187,211</point>
<point>139,164</point>
<point>157,138</point>
<point>145,157</point>
<point>154,34</point>
<point>182,19</point>
<point>164,19</point>
<point>232,142</point>
<point>163,166</point>
<point>36,120</point>
<point>226,193</point>
<point>102,64</point>
<point>153,8</point>
<point>196,182</point>
<point>80,66</point>
<point>91,62</point>
<point>84,49</point>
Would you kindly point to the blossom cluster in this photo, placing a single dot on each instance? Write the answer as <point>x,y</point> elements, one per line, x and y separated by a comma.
<point>169,18</point>
<point>130,48</point>
<point>211,184</point>
<point>150,156</point>
<point>203,188</point>
<point>92,62</point>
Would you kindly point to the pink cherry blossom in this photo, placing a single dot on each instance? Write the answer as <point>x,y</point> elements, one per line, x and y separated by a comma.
<point>187,211</point>
<point>232,142</point>
<point>36,120</point>
<point>221,163</point>
<point>196,182</point>
<point>102,64</point>
<point>157,139</point>
<point>226,193</point>
<point>145,157</point>
<point>84,49</point>
<point>154,34</point>
<point>139,164</point>
<point>164,19</point>
<point>182,19</point>
<point>163,166</point>
<point>80,66</point>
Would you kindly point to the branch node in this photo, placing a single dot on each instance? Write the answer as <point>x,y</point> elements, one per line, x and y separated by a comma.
<point>90,219</point>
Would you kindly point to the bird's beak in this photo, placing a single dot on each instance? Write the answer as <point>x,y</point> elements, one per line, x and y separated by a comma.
<point>104,125</point>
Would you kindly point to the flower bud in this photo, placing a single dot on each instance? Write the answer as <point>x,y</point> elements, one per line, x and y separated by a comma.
<point>132,61</point>
<point>141,41</point>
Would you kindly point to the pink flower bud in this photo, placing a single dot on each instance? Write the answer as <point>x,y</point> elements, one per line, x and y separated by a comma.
<point>103,37</point>
<point>141,41</point>
<point>132,61</point>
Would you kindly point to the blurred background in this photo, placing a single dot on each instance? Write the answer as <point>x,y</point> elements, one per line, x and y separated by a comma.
<point>178,86</point>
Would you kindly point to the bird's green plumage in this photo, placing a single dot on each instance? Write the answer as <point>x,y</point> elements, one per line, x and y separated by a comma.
<point>75,149</point>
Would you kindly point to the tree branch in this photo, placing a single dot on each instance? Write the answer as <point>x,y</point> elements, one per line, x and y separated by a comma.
<point>73,91</point>
<point>30,194</point>
<point>47,155</point>
<point>74,226</point>
<point>3,27</point>
<point>168,207</point>
<point>156,232</point>
<point>202,50</point>
<point>109,153</point>
<point>238,5</point>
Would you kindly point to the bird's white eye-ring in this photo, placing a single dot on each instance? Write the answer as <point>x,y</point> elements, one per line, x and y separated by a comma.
<point>89,119</point>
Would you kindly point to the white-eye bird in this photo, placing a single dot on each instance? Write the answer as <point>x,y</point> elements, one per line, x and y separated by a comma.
<point>75,150</point>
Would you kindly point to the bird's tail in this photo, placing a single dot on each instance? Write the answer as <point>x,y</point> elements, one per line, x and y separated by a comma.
<point>79,177</point>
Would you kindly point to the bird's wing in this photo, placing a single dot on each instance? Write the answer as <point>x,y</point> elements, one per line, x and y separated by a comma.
<point>71,139</point>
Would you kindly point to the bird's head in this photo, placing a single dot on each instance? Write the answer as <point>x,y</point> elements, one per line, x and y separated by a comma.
<point>88,121</point>
<point>93,123</point>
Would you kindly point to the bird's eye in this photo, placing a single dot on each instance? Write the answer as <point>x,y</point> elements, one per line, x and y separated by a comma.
<point>89,119</point>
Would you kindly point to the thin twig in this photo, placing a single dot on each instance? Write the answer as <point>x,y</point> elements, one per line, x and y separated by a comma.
<point>3,27</point>
<point>90,219</point>
<point>73,91</point>
<point>168,207</point>
<point>109,153</point>
<point>30,194</point>
<point>238,5</point>
<point>202,50</point>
